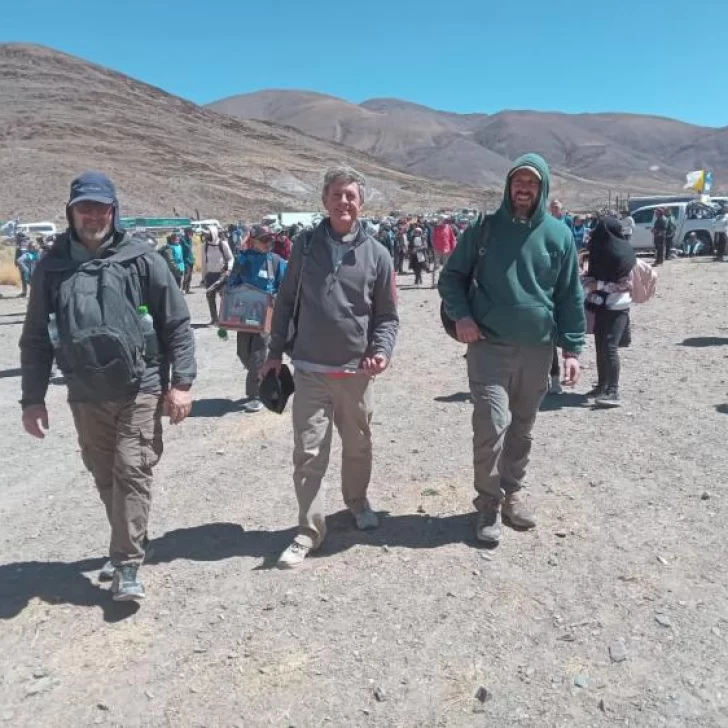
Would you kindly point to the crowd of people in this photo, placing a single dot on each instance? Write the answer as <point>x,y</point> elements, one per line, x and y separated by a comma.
<point>109,310</point>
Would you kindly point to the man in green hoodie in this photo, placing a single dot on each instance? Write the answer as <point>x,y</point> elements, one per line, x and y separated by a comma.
<point>514,294</point>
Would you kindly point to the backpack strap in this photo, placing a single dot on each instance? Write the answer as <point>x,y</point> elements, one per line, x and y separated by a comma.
<point>271,269</point>
<point>305,250</point>
<point>483,240</point>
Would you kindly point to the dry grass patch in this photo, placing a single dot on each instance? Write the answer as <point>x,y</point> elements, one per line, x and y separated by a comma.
<point>9,274</point>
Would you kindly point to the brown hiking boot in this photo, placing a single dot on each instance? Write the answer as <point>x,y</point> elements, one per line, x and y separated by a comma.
<point>516,512</point>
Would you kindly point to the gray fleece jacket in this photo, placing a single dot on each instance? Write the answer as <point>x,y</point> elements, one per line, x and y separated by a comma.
<point>150,284</point>
<point>348,302</point>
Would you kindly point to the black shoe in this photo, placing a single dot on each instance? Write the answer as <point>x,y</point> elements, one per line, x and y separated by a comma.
<point>595,392</point>
<point>126,586</point>
<point>107,570</point>
<point>608,400</point>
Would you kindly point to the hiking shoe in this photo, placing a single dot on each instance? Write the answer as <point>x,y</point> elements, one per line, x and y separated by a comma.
<point>107,570</point>
<point>366,519</point>
<point>126,586</point>
<point>254,405</point>
<point>608,400</point>
<point>488,527</point>
<point>293,556</point>
<point>516,512</point>
<point>555,386</point>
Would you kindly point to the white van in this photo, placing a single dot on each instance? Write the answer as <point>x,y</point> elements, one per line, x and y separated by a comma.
<point>199,225</point>
<point>33,229</point>
<point>689,217</point>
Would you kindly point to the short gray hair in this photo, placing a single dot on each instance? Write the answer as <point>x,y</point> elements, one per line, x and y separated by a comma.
<point>346,175</point>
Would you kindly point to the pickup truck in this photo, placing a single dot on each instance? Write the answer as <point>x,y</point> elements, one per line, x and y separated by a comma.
<point>689,217</point>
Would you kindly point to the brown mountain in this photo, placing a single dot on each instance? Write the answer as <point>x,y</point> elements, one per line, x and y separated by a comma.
<point>623,152</point>
<point>60,115</point>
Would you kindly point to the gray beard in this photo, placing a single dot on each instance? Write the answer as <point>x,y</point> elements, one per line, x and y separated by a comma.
<point>95,239</point>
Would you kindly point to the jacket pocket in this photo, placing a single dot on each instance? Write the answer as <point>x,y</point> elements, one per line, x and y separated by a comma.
<point>524,324</point>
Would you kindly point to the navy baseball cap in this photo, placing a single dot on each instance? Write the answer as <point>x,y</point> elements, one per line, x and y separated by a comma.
<point>92,187</point>
<point>262,233</point>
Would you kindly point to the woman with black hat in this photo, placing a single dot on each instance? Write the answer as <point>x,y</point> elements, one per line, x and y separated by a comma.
<point>608,286</point>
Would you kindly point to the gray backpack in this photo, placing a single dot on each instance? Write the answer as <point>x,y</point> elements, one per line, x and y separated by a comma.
<point>101,339</point>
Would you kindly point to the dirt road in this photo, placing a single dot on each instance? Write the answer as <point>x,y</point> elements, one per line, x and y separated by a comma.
<point>614,611</point>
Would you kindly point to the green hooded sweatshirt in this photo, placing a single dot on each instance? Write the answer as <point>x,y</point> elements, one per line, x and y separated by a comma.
<point>528,291</point>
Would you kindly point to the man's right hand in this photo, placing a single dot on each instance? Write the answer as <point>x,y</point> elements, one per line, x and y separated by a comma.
<point>467,331</point>
<point>35,420</point>
<point>269,364</point>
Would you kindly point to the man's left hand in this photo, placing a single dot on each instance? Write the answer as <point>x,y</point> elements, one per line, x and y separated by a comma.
<point>572,371</point>
<point>178,403</point>
<point>374,365</point>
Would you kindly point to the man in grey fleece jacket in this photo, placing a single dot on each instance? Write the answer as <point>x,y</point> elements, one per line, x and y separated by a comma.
<point>339,293</point>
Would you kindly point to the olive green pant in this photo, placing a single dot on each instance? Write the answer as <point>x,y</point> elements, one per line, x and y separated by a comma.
<point>121,441</point>
<point>507,384</point>
<point>320,402</point>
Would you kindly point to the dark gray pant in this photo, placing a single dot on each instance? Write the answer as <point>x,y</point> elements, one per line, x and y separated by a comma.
<point>211,279</point>
<point>507,384</point>
<point>609,328</point>
<point>252,352</point>
<point>720,246</point>
<point>187,280</point>
<point>555,364</point>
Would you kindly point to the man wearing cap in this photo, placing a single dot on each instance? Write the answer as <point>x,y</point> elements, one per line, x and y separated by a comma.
<point>105,306</point>
<point>339,293</point>
<point>513,296</point>
<point>256,265</point>
<point>557,210</point>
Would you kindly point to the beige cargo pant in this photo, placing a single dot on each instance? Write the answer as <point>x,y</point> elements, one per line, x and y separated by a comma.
<point>121,441</point>
<point>319,403</point>
<point>507,384</point>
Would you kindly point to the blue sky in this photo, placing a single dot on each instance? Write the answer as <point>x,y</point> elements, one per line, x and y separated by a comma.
<point>458,55</point>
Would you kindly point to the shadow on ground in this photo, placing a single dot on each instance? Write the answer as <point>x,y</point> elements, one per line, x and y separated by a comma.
<point>5,373</point>
<point>216,407</point>
<point>57,582</point>
<point>721,409</point>
<point>699,342</point>
<point>454,397</point>
<point>554,402</point>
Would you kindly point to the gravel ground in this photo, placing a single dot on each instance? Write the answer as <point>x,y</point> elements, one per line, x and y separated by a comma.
<point>613,611</point>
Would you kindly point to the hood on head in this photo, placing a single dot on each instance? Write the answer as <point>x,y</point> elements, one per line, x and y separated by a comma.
<point>95,187</point>
<point>538,163</point>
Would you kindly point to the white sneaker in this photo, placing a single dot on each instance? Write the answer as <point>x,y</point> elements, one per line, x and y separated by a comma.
<point>555,386</point>
<point>293,556</point>
<point>366,519</point>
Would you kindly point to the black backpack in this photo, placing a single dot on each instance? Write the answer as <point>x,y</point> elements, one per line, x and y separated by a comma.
<point>448,323</point>
<point>101,339</point>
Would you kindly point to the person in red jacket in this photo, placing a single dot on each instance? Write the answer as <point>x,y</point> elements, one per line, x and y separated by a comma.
<point>444,241</point>
<point>282,246</point>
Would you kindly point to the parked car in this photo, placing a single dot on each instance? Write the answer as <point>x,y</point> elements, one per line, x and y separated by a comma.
<point>34,229</point>
<point>689,217</point>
